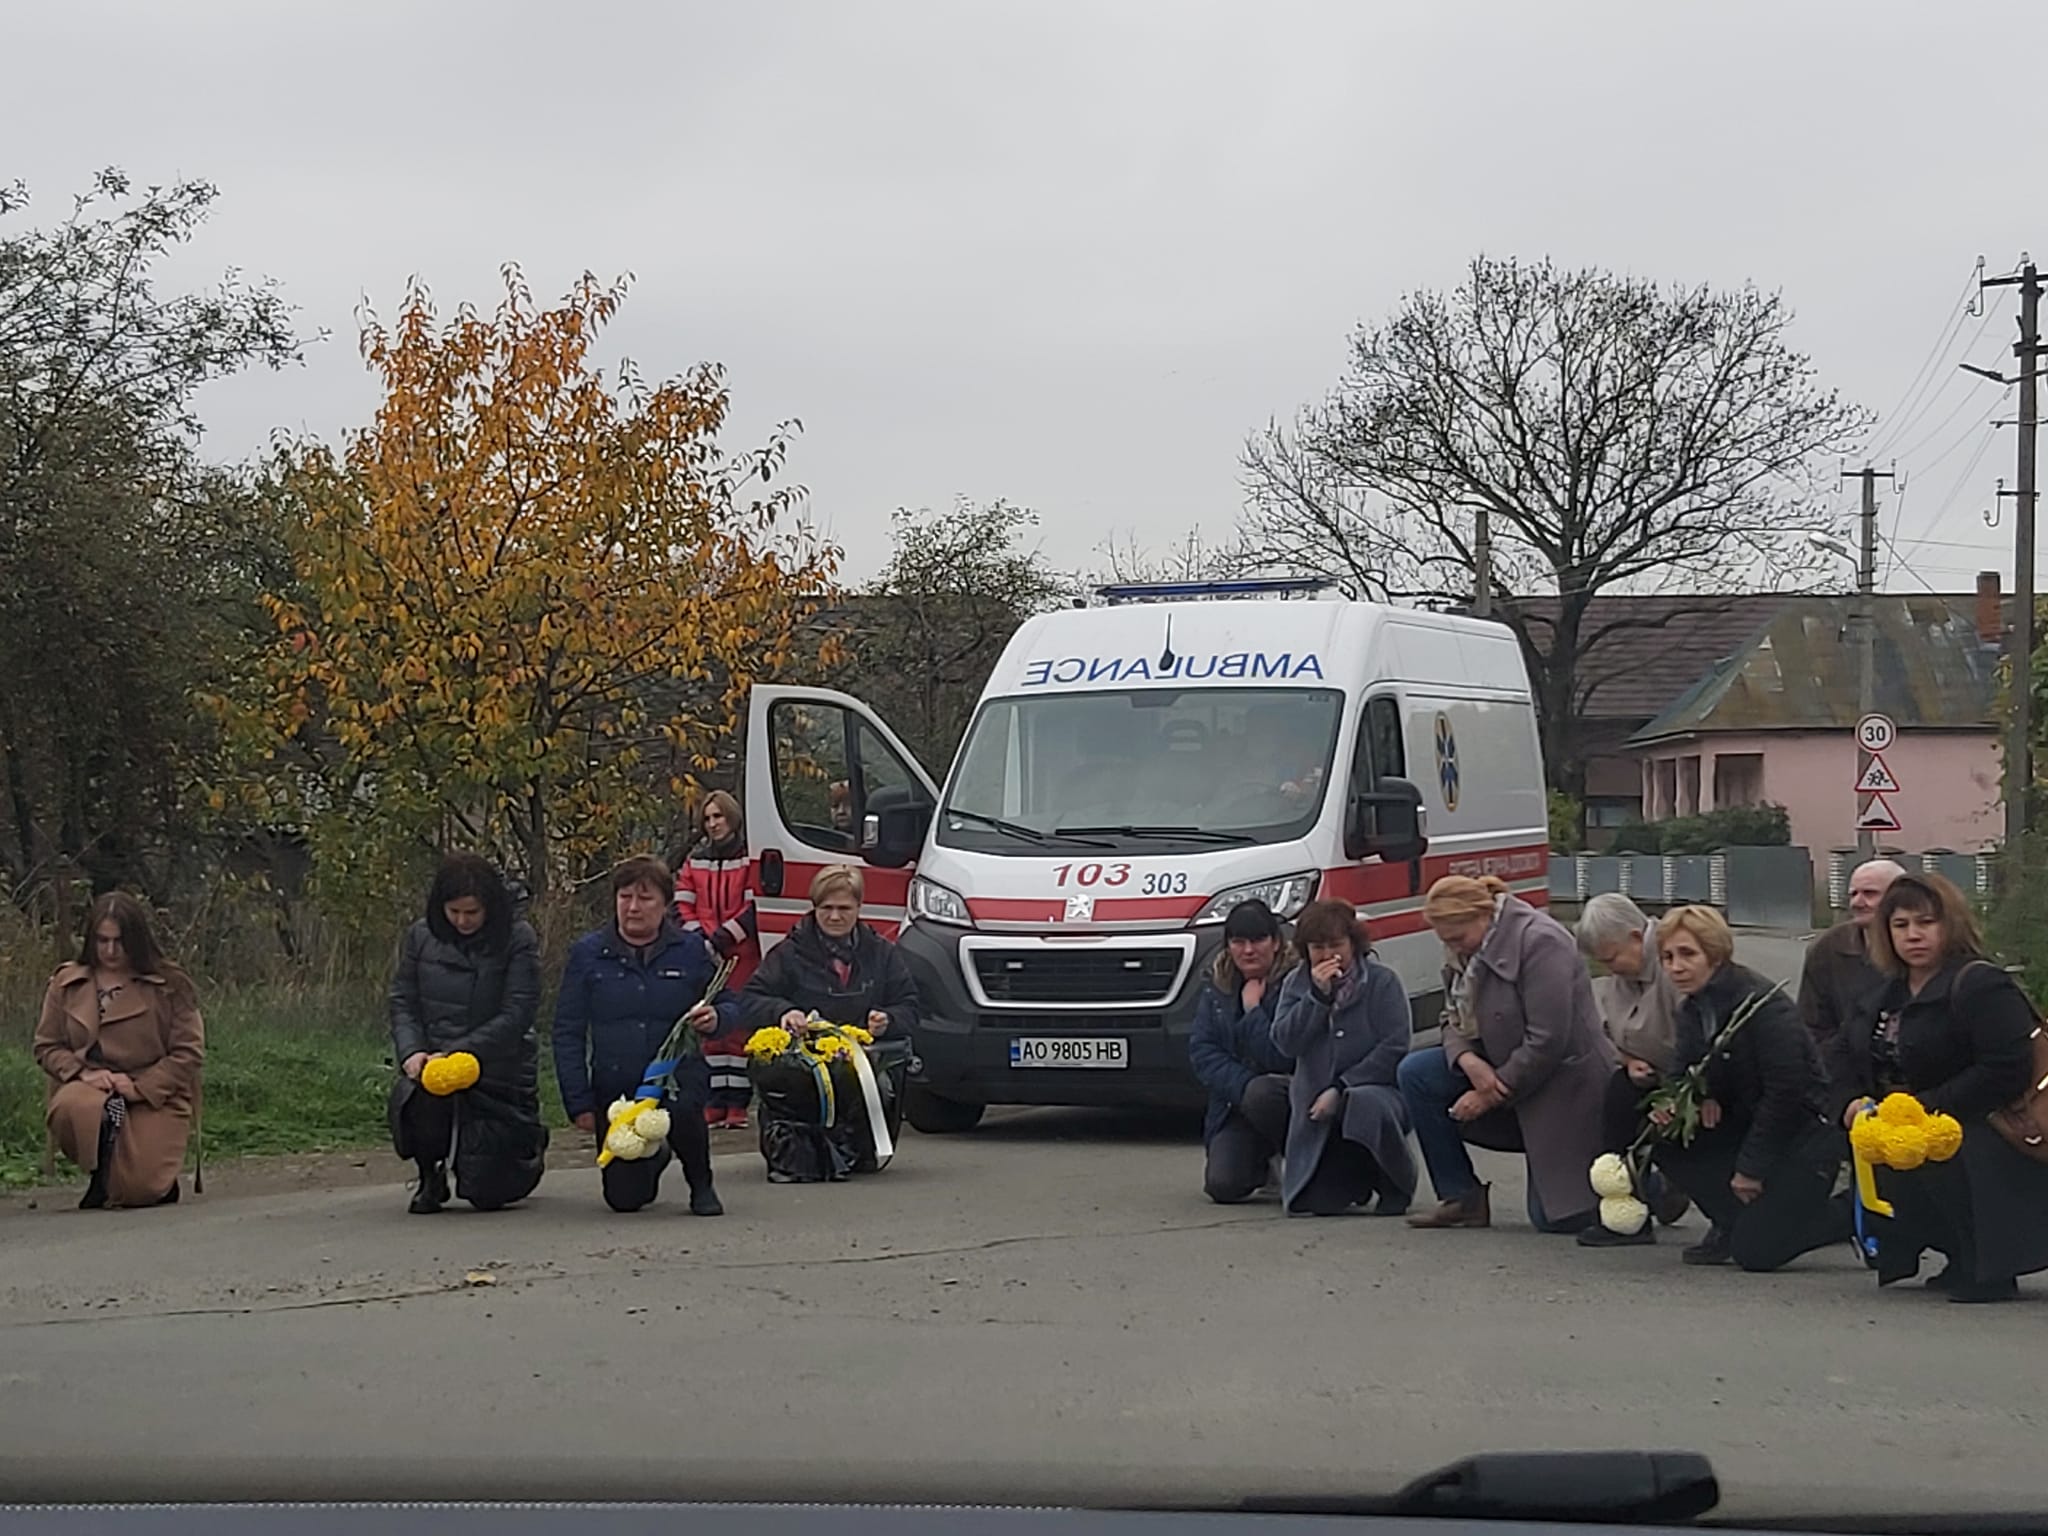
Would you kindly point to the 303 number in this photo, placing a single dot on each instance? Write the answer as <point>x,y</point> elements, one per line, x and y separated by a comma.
<point>1158,883</point>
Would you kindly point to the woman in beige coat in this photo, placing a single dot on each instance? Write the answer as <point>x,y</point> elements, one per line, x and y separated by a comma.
<point>122,1043</point>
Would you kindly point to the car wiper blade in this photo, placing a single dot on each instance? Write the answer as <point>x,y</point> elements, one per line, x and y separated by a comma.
<point>1017,829</point>
<point>1189,834</point>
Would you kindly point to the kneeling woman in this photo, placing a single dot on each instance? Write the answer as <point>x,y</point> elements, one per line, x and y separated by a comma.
<point>623,990</point>
<point>1345,1020</point>
<point>1762,1166</point>
<point>1956,1032</point>
<point>468,980</point>
<point>121,1041</point>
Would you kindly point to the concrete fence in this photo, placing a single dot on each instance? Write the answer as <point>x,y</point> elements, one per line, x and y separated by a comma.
<point>1755,887</point>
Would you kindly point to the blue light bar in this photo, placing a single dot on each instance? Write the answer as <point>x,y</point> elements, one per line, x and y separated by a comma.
<point>1250,586</point>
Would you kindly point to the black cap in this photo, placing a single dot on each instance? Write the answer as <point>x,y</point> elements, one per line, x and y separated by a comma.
<point>1251,920</point>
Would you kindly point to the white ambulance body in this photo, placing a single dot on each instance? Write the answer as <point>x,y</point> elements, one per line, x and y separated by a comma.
<point>1132,771</point>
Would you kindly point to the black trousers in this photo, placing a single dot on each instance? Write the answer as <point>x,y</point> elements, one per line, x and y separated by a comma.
<point>1796,1212</point>
<point>1244,1146</point>
<point>630,1183</point>
<point>428,1121</point>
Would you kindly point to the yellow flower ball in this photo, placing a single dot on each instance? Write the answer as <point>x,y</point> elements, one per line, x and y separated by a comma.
<point>1867,1137</point>
<point>1944,1137</point>
<point>1905,1147</point>
<point>831,1047</point>
<point>860,1036</point>
<point>765,1044</point>
<point>1901,1109</point>
<point>450,1074</point>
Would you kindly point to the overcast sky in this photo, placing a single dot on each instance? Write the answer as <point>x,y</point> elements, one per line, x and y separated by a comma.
<point>1071,253</point>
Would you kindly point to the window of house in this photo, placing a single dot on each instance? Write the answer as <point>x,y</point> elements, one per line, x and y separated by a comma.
<point>1739,778</point>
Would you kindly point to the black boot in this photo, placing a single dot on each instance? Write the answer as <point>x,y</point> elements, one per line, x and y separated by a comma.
<point>95,1197</point>
<point>169,1196</point>
<point>432,1193</point>
<point>704,1200</point>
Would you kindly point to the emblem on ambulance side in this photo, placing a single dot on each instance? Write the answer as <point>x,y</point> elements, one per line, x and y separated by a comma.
<point>1447,761</point>
<point>1080,909</point>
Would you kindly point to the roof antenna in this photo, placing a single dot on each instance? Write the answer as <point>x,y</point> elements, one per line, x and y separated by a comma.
<point>1166,657</point>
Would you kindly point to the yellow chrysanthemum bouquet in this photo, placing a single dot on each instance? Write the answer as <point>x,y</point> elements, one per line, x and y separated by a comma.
<point>452,1073</point>
<point>820,1076</point>
<point>636,1127</point>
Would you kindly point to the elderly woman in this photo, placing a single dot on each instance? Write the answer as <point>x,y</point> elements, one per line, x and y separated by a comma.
<point>625,987</point>
<point>715,897</point>
<point>1763,1163</point>
<point>1639,1009</point>
<point>1956,1032</point>
<point>1525,1066</point>
<point>1344,1018</point>
<point>837,967</point>
<point>1232,1052</point>
<point>121,1042</point>
<point>468,979</point>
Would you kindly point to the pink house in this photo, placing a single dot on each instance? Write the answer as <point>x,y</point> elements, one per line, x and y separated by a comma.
<point>1774,722</point>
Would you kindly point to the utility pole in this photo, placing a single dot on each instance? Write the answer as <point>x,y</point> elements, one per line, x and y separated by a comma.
<point>1866,638</point>
<point>2019,748</point>
<point>1482,564</point>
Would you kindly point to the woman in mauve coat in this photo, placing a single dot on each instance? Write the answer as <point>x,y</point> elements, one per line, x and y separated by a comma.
<point>1345,1020</point>
<point>1525,1065</point>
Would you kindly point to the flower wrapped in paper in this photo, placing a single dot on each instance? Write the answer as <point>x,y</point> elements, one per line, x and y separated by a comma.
<point>825,1110</point>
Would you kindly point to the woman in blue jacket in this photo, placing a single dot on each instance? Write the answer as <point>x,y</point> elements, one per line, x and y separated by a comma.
<point>1345,1019</point>
<point>1232,1051</point>
<point>623,990</point>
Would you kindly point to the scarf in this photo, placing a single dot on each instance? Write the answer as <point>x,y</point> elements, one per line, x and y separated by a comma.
<point>732,846</point>
<point>839,953</point>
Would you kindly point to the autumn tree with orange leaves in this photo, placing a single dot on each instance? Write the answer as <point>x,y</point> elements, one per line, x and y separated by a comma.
<point>528,599</point>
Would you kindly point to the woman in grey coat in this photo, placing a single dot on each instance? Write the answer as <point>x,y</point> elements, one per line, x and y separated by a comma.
<point>1525,1065</point>
<point>1345,1020</point>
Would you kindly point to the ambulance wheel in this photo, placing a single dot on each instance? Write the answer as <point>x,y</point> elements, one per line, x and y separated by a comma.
<point>939,1117</point>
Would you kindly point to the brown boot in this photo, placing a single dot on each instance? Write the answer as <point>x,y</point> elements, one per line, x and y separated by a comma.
<point>1472,1211</point>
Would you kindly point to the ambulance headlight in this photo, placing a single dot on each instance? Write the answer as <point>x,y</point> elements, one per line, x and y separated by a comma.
<point>1286,896</point>
<point>936,904</point>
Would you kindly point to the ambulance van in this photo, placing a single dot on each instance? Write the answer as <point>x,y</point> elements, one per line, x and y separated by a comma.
<point>1134,769</point>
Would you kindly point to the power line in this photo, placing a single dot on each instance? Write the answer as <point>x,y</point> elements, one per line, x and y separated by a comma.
<point>1953,323</point>
<point>1917,413</point>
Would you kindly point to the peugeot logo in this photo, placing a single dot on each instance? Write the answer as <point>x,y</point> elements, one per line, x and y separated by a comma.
<point>1080,909</point>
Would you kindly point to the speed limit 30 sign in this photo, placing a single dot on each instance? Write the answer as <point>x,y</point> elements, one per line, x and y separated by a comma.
<point>1876,733</point>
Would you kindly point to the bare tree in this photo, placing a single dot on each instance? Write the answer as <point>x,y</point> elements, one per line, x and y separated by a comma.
<point>1123,559</point>
<point>1623,437</point>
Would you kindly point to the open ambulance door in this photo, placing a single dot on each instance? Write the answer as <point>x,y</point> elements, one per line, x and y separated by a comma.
<point>829,783</point>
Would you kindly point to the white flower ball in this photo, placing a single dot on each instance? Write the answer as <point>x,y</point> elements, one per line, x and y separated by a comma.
<point>624,1141</point>
<point>1610,1177</point>
<point>619,1107</point>
<point>652,1126</point>
<point>1623,1213</point>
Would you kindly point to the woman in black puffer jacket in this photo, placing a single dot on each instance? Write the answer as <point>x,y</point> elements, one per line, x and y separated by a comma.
<point>468,979</point>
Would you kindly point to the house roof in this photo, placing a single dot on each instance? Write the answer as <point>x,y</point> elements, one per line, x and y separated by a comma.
<point>1801,669</point>
<point>1648,650</point>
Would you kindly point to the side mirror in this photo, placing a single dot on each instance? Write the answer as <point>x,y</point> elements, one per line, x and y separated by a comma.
<point>1387,822</point>
<point>894,835</point>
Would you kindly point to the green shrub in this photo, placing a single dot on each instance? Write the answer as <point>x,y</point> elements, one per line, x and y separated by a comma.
<point>1738,826</point>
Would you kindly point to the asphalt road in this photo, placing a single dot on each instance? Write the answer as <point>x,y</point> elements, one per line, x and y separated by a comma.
<point>1046,1308</point>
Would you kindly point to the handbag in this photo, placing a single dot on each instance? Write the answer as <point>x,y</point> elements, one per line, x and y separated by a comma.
<point>2024,1122</point>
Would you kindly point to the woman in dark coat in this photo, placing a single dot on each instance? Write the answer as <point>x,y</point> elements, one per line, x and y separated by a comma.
<point>468,979</point>
<point>837,967</point>
<point>1763,1163</point>
<point>1956,1032</point>
<point>1233,1055</point>
<point>1526,1064</point>
<point>624,989</point>
<point>1345,1020</point>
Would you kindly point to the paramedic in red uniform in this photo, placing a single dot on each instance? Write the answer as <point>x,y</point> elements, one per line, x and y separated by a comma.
<point>715,897</point>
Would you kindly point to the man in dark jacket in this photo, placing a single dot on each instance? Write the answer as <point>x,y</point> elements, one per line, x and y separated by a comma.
<point>623,990</point>
<point>1763,1162</point>
<point>1232,1051</point>
<point>1838,985</point>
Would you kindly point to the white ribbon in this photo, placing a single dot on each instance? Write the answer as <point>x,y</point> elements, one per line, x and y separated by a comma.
<point>871,1093</point>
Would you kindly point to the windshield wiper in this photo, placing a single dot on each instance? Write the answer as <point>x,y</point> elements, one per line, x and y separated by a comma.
<point>1015,829</point>
<point>1188,834</point>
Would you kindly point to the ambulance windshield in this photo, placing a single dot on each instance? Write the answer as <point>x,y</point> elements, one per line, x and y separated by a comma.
<point>1253,762</point>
